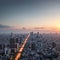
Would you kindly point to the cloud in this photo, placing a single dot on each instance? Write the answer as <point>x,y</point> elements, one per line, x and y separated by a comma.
<point>24,28</point>
<point>39,28</point>
<point>4,26</point>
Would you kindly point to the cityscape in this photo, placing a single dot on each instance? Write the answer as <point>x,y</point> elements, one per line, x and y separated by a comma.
<point>30,46</point>
<point>29,30</point>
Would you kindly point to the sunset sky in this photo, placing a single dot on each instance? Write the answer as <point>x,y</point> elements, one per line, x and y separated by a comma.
<point>43,14</point>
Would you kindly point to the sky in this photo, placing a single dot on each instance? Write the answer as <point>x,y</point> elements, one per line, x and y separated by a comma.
<point>30,14</point>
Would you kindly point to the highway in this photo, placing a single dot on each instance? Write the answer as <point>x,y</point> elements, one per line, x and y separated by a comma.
<point>18,56</point>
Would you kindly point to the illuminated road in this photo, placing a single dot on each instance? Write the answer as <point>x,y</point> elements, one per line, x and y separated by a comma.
<point>21,49</point>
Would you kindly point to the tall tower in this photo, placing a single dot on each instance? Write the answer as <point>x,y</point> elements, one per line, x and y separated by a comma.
<point>11,35</point>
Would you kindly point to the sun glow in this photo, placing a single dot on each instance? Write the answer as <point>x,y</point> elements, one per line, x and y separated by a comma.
<point>58,26</point>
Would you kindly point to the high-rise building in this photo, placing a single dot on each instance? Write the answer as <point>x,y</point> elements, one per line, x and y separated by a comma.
<point>33,46</point>
<point>31,33</point>
<point>13,45</point>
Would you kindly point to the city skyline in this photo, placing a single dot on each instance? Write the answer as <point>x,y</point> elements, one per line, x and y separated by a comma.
<point>30,15</point>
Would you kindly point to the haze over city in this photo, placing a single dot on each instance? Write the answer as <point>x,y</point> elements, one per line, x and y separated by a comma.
<point>30,15</point>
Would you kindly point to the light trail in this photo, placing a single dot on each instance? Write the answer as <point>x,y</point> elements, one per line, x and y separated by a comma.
<point>21,49</point>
